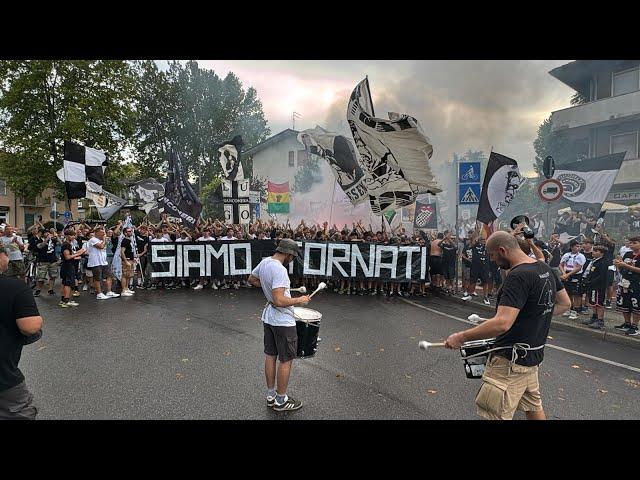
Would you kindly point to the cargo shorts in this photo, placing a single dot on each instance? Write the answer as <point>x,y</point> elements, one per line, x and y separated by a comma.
<point>505,390</point>
<point>46,270</point>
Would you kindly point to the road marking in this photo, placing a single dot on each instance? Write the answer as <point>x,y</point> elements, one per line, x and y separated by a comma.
<point>567,350</point>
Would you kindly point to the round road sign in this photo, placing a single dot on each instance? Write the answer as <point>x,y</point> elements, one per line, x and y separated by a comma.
<point>550,190</point>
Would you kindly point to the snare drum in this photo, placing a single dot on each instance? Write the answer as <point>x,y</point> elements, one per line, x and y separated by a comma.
<point>474,355</point>
<point>307,326</point>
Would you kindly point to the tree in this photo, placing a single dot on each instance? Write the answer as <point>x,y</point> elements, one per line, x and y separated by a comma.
<point>44,102</point>
<point>561,148</point>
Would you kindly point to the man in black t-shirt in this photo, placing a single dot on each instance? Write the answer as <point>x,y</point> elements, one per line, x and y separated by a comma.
<point>20,324</point>
<point>467,254</point>
<point>69,264</point>
<point>595,283</point>
<point>480,268</point>
<point>603,238</point>
<point>128,261</point>
<point>531,294</point>
<point>48,267</point>
<point>449,257</point>
<point>142,242</point>
<point>628,296</point>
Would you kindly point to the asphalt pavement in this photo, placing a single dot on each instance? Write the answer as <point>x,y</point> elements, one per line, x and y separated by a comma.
<point>187,354</point>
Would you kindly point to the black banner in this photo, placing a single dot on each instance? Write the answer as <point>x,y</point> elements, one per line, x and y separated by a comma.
<point>338,260</point>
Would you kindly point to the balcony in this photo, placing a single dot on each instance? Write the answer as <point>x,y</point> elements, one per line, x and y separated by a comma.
<point>612,108</point>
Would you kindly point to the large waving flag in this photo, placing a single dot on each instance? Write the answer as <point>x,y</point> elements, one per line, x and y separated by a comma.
<point>501,182</point>
<point>278,198</point>
<point>81,165</point>
<point>394,153</point>
<point>586,183</point>
<point>179,198</point>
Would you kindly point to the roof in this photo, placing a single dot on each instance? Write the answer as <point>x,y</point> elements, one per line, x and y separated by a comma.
<point>279,137</point>
<point>576,74</point>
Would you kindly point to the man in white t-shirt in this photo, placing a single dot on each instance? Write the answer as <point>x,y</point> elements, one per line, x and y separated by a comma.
<point>100,269</point>
<point>15,246</point>
<point>280,335</point>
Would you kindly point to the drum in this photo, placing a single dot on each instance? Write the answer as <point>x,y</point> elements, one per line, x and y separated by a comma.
<point>307,326</point>
<point>474,355</point>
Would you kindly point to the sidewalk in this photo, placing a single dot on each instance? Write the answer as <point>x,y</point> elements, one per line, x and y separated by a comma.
<point>608,334</point>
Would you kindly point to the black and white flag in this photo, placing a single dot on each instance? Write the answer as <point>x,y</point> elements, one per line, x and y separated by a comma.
<point>81,165</point>
<point>501,181</point>
<point>339,151</point>
<point>586,183</point>
<point>237,209</point>
<point>106,203</point>
<point>179,199</point>
<point>394,153</point>
<point>229,157</point>
<point>146,193</point>
<point>426,216</point>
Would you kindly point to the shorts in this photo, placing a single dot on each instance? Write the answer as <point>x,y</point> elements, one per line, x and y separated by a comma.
<point>628,301</point>
<point>68,276</point>
<point>16,269</point>
<point>573,288</point>
<point>466,271</point>
<point>101,272</point>
<point>16,403</point>
<point>86,271</point>
<point>50,269</point>
<point>505,390</point>
<point>481,274</point>
<point>596,298</point>
<point>127,270</point>
<point>435,265</point>
<point>281,341</point>
<point>449,270</point>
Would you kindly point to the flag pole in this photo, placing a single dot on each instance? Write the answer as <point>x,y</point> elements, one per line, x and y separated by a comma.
<point>332,196</point>
<point>373,112</point>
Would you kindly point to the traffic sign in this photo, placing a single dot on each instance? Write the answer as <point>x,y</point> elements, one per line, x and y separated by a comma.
<point>550,190</point>
<point>67,214</point>
<point>469,172</point>
<point>469,194</point>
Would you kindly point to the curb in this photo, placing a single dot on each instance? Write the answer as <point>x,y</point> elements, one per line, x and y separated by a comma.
<point>605,336</point>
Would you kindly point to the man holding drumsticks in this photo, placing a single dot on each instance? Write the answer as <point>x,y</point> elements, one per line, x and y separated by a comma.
<point>531,294</point>
<point>280,335</point>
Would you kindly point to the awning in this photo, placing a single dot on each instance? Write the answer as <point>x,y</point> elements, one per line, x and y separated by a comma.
<point>608,206</point>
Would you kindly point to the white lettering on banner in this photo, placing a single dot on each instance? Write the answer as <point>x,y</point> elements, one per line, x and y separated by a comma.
<point>333,260</point>
<point>179,260</point>
<point>200,263</point>
<point>356,256</point>
<point>232,258</point>
<point>223,252</point>
<point>394,262</point>
<point>323,258</point>
<point>170,260</point>
<point>409,250</point>
<point>423,264</point>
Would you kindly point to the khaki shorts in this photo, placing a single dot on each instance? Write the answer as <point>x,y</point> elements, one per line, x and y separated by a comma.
<point>52,270</point>
<point>127,269</point>
<point>505,390</point>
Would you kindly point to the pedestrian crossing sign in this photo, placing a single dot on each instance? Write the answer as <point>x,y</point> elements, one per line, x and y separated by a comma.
<point>469,194</point>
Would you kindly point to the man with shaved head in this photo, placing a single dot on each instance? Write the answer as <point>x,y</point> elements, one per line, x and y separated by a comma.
<point>531,294</point>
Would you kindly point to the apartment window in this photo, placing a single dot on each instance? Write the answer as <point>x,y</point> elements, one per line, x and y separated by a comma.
<point>626,81</point>
<point>3,217</point>
<point>292,162</point>
<point>3,188</point>
<point>302,157</point>
<point>627,142</point>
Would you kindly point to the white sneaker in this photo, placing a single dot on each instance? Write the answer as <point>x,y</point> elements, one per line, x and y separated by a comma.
<point>567,313</point>
<point>130,291</point>
<point>574,315</point>
<point>127,293</point>
<point>102,296</point>
<point>198,287</point>
<point>466,297</point>
<point>465,294</point>
<point>236,286</point>
<point>85,288</point>
<point>214,286</point>
<point>112,295</point>
<point>224,287</point>
<point>474,294</point>
<point>487,302</point>
<point>72,303</point>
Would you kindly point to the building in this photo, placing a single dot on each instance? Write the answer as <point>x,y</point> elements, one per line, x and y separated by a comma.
<point>278,159</point>
<point>23,212</point>
<point>608,120</point>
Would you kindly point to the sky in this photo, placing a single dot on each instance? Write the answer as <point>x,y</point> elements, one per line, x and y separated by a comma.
<point>460,104</point>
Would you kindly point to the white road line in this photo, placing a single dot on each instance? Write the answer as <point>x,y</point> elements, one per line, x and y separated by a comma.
<point>567,350</point>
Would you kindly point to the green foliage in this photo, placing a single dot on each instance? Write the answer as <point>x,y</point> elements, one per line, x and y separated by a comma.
<point>308,174</point>
<point>44,102</point>
<point>557,145</point>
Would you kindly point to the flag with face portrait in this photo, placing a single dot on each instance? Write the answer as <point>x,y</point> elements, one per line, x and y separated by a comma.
<point>394,153</point>
<point>229,157</point>
<point>502,180</point>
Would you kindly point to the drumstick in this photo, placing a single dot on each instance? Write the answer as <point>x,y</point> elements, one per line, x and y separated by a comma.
<point>425,345</point>
<point>299,289</point>
<point>321,286</point>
